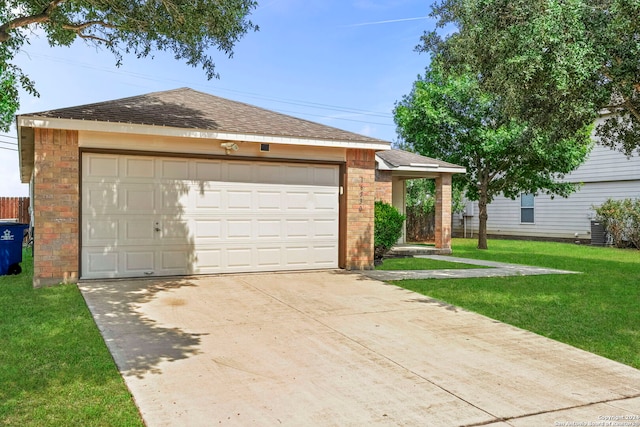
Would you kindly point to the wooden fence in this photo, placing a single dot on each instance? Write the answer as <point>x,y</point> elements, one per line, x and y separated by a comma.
<point>420,226</point>
<point>15,209</point>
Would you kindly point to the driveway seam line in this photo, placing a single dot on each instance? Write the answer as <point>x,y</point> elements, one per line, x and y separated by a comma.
<point>568,408</point>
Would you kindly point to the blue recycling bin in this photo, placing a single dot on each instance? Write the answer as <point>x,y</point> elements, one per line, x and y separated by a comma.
<point>11,237</point>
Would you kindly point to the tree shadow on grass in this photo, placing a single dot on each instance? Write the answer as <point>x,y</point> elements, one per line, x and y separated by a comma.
<point>138,344</point>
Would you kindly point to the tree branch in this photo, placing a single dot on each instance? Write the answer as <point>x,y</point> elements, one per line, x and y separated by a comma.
<point>23,21</point>
<point>77,28</point>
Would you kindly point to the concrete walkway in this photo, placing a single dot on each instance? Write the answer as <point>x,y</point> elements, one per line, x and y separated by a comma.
<point>332,348</point>
<point>496,269</point>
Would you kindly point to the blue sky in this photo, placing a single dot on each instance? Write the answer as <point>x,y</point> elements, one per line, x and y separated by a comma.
<point>343,63</point>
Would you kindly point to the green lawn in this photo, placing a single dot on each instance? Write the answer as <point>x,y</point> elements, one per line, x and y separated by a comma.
<point>55,369</point>
<point>598,311</point>
<point>421,264</point>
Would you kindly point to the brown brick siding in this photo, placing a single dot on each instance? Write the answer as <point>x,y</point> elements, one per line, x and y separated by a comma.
<point>384,186</point>
<point>360,192</point>
<point>443,211</point>
<point>56,207</point>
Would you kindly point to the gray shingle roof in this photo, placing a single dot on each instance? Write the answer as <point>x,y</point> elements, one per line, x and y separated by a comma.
<point>397,158</point>
<point>190,109</point>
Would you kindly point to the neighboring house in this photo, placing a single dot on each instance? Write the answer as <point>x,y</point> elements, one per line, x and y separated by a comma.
<point>15,209</point>
<point>182,182</point>
<point>605,174</point>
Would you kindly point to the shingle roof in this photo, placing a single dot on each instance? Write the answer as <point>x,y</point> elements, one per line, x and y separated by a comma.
<point>397,158</point>
<point>190,109</point>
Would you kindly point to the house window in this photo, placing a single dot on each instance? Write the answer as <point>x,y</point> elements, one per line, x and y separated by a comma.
<point>526,208</point>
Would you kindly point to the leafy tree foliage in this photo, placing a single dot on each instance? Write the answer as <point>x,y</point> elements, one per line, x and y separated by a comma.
<point>185,27</point>
<point>555,64</point>
<point>450,117</point>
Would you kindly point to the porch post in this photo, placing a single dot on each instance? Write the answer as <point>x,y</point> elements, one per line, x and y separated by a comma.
<point>443,211</point>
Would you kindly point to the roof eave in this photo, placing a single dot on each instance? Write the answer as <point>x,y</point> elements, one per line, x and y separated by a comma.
<point>132,128</point>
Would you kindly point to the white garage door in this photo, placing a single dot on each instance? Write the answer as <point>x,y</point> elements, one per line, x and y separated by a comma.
<point>144,216</point>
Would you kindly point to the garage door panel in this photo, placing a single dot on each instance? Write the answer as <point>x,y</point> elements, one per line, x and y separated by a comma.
<point>239,257</point>
<point>174,231</point>
<point>239,172</point>
<point>239,229</point>
<point>269,256</point>
<point>239,200</point>
<point>325,200</point>
<point>208,170</point>
<point>208,260</point>
<point>138,230</point>
<point>297,175</point>
<point>175,260</point>
<point>174,169</point>
<point>207,230</point>
<point>138,167</point>
<point>213,216</point>
<point>327,176</point>
<point>208,199</point>
<point>139,261</point>
<point>137,198</point>
<point>100,198</point>
<point>100,263</point>
<point>268,174</point>
<point>297,255</point>
<point>269,200</point>
<point>103,230</point>
<point>269,228</point>
<point>173,197</point>
<point>298,229</point>
<point>325,228</point>
<point>324,256</point>
<point>105,166</point>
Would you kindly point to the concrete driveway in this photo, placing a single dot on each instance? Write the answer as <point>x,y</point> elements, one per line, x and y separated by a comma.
<point>338,349</point>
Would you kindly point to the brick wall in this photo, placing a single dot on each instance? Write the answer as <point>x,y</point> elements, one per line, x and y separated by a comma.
<point>56,207</point>
<point>443,212</point>
<point>384,186</point>
<point>360,195</point>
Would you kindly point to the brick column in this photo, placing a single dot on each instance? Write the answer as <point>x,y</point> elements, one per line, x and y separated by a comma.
<point>443,212</point>
<point>56,207</point>
<point>360,194</point>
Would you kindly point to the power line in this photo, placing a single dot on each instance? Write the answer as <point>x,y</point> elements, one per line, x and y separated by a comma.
<point>299,103</point>
<point>8,149</point>
<point>8,143</point>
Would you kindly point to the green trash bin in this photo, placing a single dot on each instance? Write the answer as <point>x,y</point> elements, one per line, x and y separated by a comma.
<point>11,237</point>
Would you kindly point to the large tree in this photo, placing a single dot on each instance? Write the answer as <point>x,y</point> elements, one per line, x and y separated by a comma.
<point>448,116</point>
<point>556,64</point>
<point>187,28</point>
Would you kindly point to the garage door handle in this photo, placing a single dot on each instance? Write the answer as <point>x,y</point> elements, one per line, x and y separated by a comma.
<point>156,228</point>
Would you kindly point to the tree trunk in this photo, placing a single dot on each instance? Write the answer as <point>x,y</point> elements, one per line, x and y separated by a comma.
<point>482,213</point>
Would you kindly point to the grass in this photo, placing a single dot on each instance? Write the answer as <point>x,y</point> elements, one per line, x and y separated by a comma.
<point>421,264</point>
<point>56,369</point>
<point>598,311</point>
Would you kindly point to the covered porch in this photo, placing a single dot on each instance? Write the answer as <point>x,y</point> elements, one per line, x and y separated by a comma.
<point>393,168</point>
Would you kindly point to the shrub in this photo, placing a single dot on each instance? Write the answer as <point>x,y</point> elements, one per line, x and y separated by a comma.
<point>621,220</point>
<point>387,228</point>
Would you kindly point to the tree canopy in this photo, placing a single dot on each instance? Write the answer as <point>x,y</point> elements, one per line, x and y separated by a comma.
<point>188,29</point>
<point>450,117</point>
<point>555,64</point>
